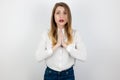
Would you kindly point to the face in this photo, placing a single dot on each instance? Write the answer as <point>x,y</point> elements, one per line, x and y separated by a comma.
<point>60,16</point>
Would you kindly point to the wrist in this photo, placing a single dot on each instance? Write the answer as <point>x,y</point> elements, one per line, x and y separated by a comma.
<point>58,44</point>
<point>64,45</point>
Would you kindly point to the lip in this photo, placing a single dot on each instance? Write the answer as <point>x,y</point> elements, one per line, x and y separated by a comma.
<point>61,20</point>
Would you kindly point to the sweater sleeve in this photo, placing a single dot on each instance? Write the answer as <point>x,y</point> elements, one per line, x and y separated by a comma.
<point>44,49</point>
<point>77,49</point>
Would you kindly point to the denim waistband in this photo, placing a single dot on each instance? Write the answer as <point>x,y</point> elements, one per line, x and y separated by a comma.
<point>51,74</point>
<point>48,68</point>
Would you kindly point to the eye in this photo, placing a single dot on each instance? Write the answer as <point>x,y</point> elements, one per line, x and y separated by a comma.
<point>65,13</point>
<point>57,12</point>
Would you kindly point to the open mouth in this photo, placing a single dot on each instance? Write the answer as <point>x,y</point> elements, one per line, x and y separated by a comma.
<point>61,20</point>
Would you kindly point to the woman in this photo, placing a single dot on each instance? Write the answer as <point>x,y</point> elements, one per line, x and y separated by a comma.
<point>60,46</point>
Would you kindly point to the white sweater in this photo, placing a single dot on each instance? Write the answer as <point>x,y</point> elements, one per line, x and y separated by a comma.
<point>61,58</point>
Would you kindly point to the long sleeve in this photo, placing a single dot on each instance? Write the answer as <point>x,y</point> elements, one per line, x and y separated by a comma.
<point>44,48</point>
<point>77,49</point>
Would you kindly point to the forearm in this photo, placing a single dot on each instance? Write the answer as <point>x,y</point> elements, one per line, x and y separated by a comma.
<point>55,47</point>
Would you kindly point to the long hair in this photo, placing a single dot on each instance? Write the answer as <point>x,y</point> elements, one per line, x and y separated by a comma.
<point>68,28</point>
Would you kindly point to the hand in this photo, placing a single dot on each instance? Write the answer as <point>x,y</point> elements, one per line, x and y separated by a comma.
<point>64,44</point>
<point>60,35</point>
<point>61,39</point>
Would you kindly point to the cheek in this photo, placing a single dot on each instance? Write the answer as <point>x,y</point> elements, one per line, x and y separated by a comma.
<point>66,19</point>
<point>57,17</point>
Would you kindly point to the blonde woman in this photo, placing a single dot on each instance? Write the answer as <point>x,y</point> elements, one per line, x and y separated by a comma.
<point>61,45</point>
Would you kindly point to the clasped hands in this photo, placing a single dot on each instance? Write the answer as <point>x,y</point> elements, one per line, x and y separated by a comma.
<point>60,41</point>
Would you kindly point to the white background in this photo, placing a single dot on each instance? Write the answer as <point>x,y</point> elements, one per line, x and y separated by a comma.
<point>21,23</point>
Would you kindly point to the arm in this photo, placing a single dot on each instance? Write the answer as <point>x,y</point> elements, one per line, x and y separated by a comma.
<point>44,48</point>
<point>77,49</point>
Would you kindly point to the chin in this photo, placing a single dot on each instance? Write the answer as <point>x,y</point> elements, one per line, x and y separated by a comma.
<point>62,24</point>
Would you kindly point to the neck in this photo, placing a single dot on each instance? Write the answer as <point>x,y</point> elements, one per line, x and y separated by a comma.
<point>60,27</point>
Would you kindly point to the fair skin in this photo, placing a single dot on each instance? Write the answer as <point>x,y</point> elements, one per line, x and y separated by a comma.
<point>61,19</point>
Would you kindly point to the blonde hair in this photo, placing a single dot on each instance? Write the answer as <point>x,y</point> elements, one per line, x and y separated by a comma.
<point>68,28</point>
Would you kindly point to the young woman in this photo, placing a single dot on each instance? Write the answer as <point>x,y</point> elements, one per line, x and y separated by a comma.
<point>60,46</point>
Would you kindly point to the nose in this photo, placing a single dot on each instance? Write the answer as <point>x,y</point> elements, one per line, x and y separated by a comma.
<point>61,15</point>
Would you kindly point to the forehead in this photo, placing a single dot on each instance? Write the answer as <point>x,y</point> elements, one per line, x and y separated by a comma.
<point>60,8</point>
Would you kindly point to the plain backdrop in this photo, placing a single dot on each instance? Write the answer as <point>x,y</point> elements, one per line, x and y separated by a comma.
<point>22,21</point>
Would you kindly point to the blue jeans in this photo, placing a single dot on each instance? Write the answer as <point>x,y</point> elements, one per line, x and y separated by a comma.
<point>51,74</point>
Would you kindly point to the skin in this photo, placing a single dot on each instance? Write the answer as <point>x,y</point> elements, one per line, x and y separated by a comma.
<point>60,14</point>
